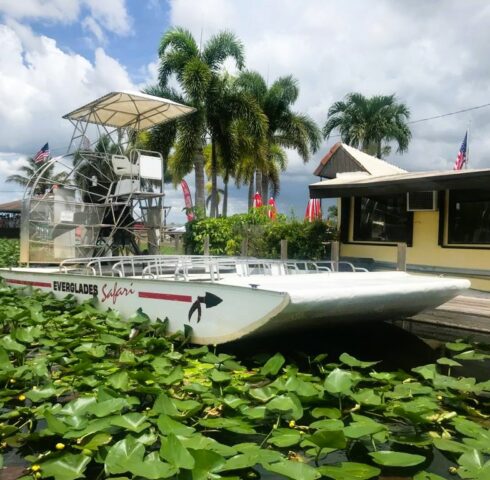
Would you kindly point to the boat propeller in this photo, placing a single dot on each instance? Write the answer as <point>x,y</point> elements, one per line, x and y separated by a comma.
<point>210,300</point>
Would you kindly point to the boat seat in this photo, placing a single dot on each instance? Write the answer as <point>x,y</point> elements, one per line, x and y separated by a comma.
<point>123,167</point>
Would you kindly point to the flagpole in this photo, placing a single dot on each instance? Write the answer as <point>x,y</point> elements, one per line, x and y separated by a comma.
<point>468,145</point>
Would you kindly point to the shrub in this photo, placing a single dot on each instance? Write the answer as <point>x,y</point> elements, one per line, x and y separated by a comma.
<point>305,240</point>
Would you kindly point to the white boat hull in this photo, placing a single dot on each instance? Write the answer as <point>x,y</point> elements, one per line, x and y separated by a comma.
<point>237,306</point>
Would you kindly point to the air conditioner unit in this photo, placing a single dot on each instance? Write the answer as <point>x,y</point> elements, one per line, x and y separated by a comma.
<point>421,201</point>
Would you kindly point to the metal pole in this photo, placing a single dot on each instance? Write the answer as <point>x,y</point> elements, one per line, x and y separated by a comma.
<point>244,249</point>
<point>335,255</point>
<point>401,257</point>
<point>284,249</point>
<point>206,246</point>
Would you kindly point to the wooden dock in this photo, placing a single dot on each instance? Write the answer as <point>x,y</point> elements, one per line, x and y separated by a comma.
<point>465,316</point>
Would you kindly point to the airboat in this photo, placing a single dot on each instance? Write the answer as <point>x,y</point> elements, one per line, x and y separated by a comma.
<point>91,221</point>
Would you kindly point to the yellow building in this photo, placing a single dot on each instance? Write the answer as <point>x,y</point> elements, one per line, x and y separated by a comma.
<point>442,216</point>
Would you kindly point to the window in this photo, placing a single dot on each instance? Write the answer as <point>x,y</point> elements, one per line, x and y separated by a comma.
<point>383,218</point>
<point>469,217</point>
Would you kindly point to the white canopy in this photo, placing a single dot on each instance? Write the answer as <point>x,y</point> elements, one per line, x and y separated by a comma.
<point>129,109</point>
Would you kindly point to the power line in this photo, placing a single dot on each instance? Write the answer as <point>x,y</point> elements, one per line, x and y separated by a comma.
<point>450,113</point>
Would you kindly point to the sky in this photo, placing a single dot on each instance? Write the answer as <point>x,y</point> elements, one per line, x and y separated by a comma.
<point>57,55</point>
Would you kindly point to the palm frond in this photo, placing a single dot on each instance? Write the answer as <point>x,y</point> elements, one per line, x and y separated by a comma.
<point>222,46</point>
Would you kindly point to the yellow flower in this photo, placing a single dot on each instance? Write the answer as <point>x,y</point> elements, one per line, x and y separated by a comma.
<point>12,380</point>
<point>60,446</point>
<point>292,424</point>
<point>36,468</point>
<point>21,397</point>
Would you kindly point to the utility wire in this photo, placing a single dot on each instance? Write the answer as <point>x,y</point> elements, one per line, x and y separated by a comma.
<point>450,113</point>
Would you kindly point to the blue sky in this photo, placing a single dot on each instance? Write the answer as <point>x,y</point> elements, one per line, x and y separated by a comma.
<point>59,54</point>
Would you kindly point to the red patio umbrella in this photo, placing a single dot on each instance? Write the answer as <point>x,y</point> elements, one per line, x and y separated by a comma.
<point>257,200</point>
<point>272,211</point>
<point>313,210</point>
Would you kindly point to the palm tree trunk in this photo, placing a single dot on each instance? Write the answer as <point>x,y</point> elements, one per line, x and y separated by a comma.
<point>258,181</point>
<point>214,181</point>
<point>378,147</point>
<point>199,179</point>
<point>265,189</point>
<point>250,193</point>
<point>225,196</point>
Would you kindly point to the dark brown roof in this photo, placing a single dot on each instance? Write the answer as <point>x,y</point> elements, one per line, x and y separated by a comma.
<point>11,206</point>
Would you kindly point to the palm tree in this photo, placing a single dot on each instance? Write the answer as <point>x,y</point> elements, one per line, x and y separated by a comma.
<point>197,71</point>
<point>162,138</point>
<point>287,129</point>
<point>232,114</point>
<point>370,123</point>
<point>33,169</point>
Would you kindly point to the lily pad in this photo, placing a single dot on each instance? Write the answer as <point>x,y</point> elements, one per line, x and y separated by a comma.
<point>396,459</point>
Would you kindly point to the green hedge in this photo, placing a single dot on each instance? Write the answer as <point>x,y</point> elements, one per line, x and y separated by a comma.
<point>305,240</point>
<point>9,252</point>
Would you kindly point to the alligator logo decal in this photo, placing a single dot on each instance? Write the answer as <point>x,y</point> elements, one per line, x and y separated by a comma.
<point>210,300</point>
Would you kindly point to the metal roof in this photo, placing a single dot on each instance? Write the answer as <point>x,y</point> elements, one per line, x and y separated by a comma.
<point>129,109</point>
<point>342,158</point>
<point>347,186</point>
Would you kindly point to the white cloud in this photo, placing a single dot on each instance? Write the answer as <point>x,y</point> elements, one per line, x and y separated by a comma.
<point>65,11</point>
<point>92,26</point>
<point>109,15</point>
<point>40,83</point>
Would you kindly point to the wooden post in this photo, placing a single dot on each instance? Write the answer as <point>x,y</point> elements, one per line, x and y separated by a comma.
<point>177,243</point>
<point>284,249</point>
<point>401,257</point>
<point>206,245</point>
<point>244,248</point>
<point>335,255</point>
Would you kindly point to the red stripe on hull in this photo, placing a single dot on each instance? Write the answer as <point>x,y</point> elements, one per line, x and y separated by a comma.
<point>27,282</point>
<point>166,296</point>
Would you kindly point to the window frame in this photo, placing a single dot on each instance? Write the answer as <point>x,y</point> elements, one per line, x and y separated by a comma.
<point>355,212</point>
<point>448,209</point>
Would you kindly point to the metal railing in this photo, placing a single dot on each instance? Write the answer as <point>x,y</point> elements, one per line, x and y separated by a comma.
<point>184,267</point>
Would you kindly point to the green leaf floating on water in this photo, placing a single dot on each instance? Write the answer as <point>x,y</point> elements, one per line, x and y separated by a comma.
<point>206,462</point>
<point>218,376</point>
<point>458,346</point>
<point>123,455</point>
<point>354,362</point>
<point>285,437</point>
<point>66,467</point>
<point>349,471</point>
<point>9,344</point>
<point>153,468</point>
<point>473,465</point>
<point>338,381</point>
<point>288,405</point>
<point>135,422</point>
<point>273,365</point>
<point>167,425</point>
<point>175,453</point>
<point>427,476</point>
<point>293,470</point>
<point>396,459</point>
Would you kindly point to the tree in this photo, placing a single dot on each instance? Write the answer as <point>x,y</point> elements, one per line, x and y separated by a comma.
<point>232,114</point>
<point>197,71</point>
<point>33,169</point>
<point>286,130</point>
<point>370,123</point>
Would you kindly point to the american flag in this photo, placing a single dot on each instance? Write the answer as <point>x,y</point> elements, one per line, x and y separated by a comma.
<point>461,160</point>
<point>42,155</point>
